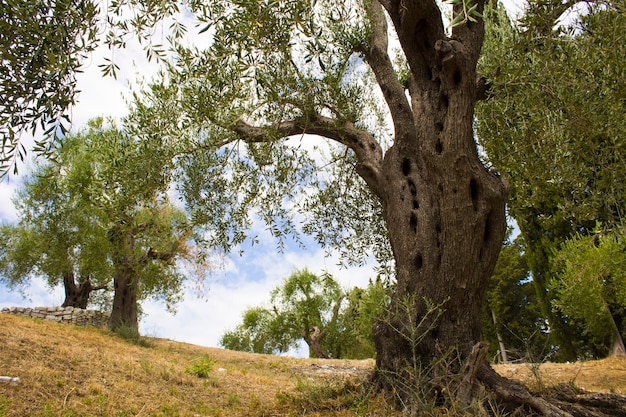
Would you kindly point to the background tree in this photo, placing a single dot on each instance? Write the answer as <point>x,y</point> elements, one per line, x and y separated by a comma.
<point>513,323</point>
<point>126,179</point>
<point>313,308</point>
<point>591,287</point>
<point>100,211</point>
<point>364,307</point>
<point>58,237</point>
<point>305,307</point>
<point>554,127</point>
<point>261,331</point>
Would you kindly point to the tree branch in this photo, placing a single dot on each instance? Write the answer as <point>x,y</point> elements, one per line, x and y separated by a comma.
<point>368,151</point>
<point>418,25</point>
<point>378,59</point>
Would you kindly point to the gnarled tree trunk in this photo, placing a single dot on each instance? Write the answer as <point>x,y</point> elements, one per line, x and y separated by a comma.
<point>77,295</point>
<point>445,212</point>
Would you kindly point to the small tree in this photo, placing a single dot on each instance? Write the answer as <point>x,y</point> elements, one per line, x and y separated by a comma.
<point>305,307</point>
<point>591,287</point>
<point>312,308</point>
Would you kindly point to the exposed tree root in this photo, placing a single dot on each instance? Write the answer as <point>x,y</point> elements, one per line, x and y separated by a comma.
<point>562,401</point>
<point>479,390</point>
<point>581,404</point>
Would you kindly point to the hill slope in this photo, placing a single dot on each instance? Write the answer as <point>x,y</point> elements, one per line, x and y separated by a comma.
<point>66,370</point>
<point>77,371</point>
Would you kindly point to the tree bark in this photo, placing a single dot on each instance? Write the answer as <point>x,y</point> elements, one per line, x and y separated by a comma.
<point>314,340</point>
<point>124,310</point>
<point>125,280</point>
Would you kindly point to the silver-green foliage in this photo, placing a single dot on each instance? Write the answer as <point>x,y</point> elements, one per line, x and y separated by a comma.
<point>306,302</point>
<point>555,125</point>
<point>267,63</point>
<point>43,44</point>
<point>102,183</point>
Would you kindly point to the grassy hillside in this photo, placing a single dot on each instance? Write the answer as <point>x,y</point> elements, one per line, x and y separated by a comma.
<point>73,371</point>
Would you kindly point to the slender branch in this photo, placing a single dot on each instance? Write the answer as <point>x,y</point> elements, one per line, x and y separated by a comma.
<point>379,61</point>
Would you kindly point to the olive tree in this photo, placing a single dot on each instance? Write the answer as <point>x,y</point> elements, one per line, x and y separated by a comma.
<point>100,212</point>
<point>392,89</point>
<point>313,72</point>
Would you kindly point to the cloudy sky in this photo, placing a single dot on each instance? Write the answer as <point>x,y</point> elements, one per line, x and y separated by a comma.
<point>244,281</point>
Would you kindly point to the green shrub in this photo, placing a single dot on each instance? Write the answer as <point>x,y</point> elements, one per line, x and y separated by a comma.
<point>202,367</point>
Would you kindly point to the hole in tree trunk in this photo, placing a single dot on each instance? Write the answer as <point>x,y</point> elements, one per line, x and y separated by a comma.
<point>416,204</point>
<point>439,126</point>
<point>413,222</point>
<point>419,261</point>
<point>438,147</point>
<point>412,188</point>
<point>443,102</point>
<point>457,77</point>
<point>438,232</point>
<point>406,167</point>
<point>474,192</point>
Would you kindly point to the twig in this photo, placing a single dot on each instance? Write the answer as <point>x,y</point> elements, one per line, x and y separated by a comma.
<point>67,395</point>
<point>144,406</point>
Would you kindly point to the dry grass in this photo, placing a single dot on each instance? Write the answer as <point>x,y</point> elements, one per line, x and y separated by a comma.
<point>607,375</point>
<point>74,371</point>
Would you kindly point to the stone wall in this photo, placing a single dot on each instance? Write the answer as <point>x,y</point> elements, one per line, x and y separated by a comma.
<point>69,315</point>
